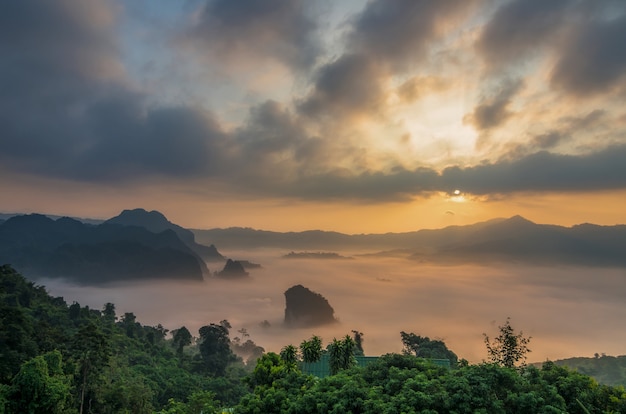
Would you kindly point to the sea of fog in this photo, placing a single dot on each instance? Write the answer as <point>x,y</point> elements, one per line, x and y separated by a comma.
<point>568,311</point>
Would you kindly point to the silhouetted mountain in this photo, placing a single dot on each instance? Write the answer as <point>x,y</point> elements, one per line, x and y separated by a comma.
<point>520,240</point>
<point>232,270</point>
<point>41,247</point>
<point>249,265</point>
<point>305,308</point>
<point>238,237</point>
<point>157,222</point>
<point>511,240</point>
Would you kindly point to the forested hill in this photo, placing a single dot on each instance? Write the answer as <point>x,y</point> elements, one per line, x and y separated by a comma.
<point>55,358</point>
<point>610,370</point>
<point>61,359</point>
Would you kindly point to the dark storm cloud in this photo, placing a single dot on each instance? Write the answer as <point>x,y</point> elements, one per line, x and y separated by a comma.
<point>542,171</point>
<point>52,55</point>
<point>519,27</point>
<point>400,31</point>
<point>351,85</point>
<point>538,172</point>
<point>585,38</point>
<point>594,59</point>
<point>272,145</point>
<point>67,109</point>
<point>128,138</point>
<point>282,29</point>
<point>494,111</point>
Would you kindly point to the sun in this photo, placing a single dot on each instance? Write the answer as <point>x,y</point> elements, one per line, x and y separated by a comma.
<point>457,197</point>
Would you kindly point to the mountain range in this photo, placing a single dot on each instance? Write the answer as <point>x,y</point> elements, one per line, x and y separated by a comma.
<point>138,244</point>
<point>134,245</point>
<point>512,240</point>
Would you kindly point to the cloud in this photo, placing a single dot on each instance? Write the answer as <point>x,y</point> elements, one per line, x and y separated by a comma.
<point>594,58</point>
<point>273,145</point>
<point>400,32</point>
<point>54,57</point>
<point>494,111</point>
<point>352,85</point>
<point>584,39</point>
<point>564,132</point>
<point>519,28</point>
<point>542,171</point>
<point>419,86</point>
<point>284,30</point>
<point>68,109</point>
<point>537,172</point>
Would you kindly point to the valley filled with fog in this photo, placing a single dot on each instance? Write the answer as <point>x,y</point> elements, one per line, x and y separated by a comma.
<point>568,311</point>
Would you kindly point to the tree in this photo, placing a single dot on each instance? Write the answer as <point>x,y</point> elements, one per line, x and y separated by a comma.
<point>108,312</point>
<point>508,348</point>
<point>92,350</point>
<point>341,354</point>
<point>129,325</point>
<point>289,355</point>
<point>40,386</point>
<point>424,347</point>
<point>181,338</point>
<point>312,349</point>
<point>358,342</point>
<point>215,348</point>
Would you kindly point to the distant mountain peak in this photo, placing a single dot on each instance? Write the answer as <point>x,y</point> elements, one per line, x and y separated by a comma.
<point>156,222</point>
<point>519,219</point>
<point>143,214</point>
<point>152,220</point>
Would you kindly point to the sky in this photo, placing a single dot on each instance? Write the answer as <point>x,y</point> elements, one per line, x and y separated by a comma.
<point>355,116</point>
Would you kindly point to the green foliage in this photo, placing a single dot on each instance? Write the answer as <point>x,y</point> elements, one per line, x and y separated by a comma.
<point>312,349</point>
<point>341,353</point>
<point>289,355</point>
<point>200,402</point>
<point>40,386</point>
<point>215,349</point>
<point>407,384</point>
<point>181,338</point>
<point>508,348</point>
<point>269,368</point>
<point>424,347</point>
<point>83,356</point>
<point>609,370</point>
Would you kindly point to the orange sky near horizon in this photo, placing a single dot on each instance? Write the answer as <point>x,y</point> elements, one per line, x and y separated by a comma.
<point>439,210</point>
